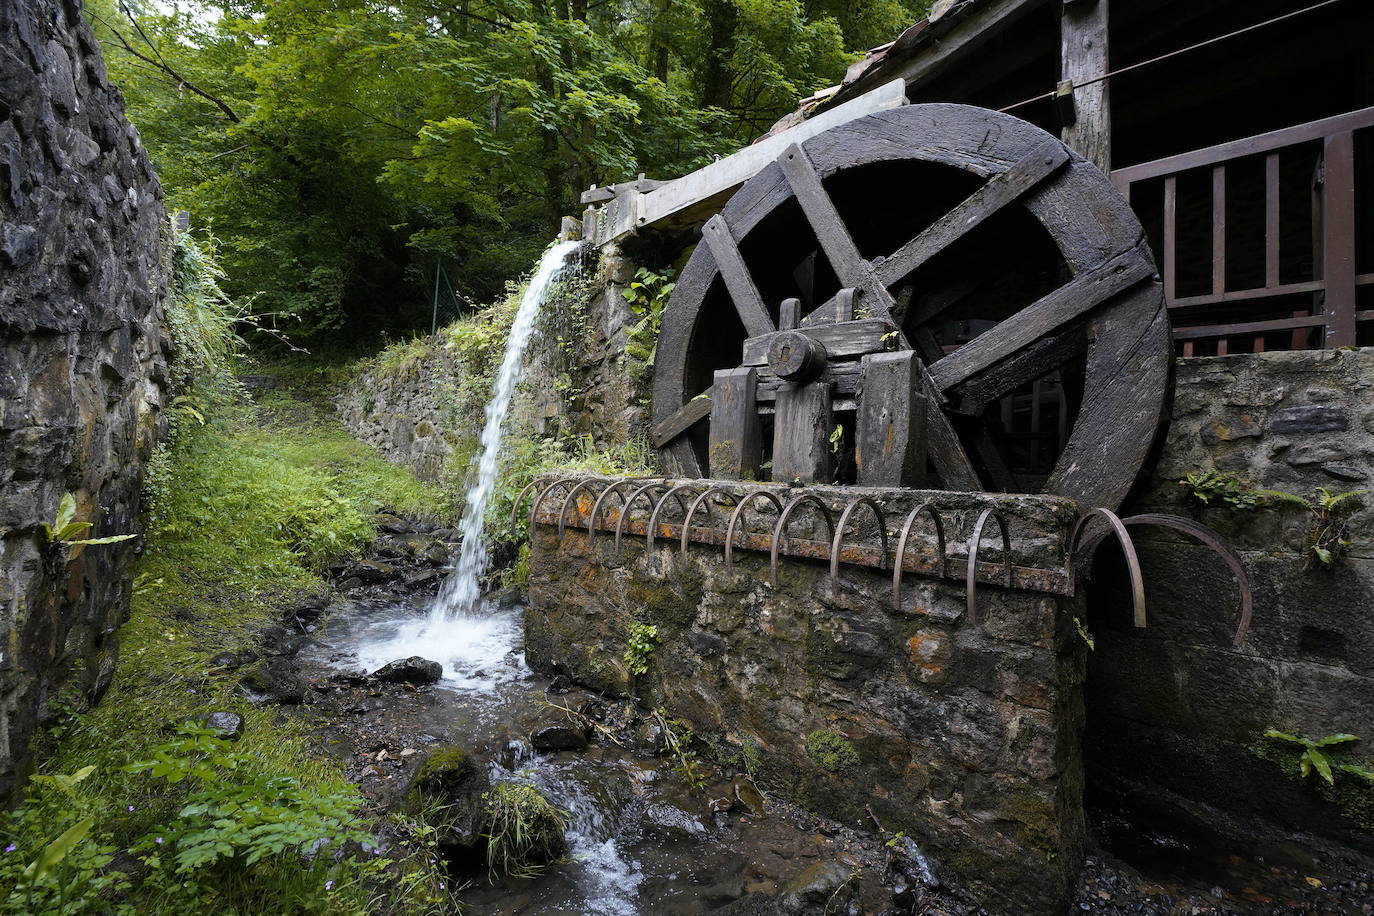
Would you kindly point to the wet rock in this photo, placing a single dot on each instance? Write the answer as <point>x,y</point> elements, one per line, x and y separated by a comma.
<point>226,660</point>
<point>229,725</point>
<point>391,524</point>
<point>449,777</point>
<point>752,905</point>
<point>704,643</point>
<point>371,572</point>
<point>413,670</point>
<point>560,737</point>
<point>648,739</point>
<point>422,577</point>
<point>824,888</point>
<point>748,798</point>
<point>350,584</point>
<point>275,681</point>
<point>1307,420</point>
<point>436,555</point>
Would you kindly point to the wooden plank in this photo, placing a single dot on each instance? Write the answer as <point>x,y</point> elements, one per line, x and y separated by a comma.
<point>736,442</point>
<point>681,420</point>
<point>694,197</point>
<point>1241,295</point>
<point>1004,189</point>
<point>1272,228</point>
<point>1338,231</point>
<point>789,315</point>
<point>1219,230</point>
<point>831,232</point>
<point>846,380</point>
<point>849,338</point>
<point>1071,302</point>
<point>1248,327</point>
<point>1083,57</point>
<point>801,434</point>
<point>890,429</point>
<point>1026,365</point>
<point>1170,266</point>
<point>745,295</point>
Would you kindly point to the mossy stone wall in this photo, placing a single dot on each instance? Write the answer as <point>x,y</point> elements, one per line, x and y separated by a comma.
<point>965,736</point>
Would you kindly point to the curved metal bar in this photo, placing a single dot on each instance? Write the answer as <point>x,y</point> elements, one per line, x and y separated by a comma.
<point>692,513</point>
<point>970,582</point>
<point>780,529</point>
<point>570,499</point>
<point>839,536</point>
<point>596,508</point>
<point>734,519</point>
<point>534,509</point>
<point>625,510</point>
<point>899,561</point>
<point>1211,539</point>
<point>1127,548</point>
<point>653,517</point>
<point>515,509</point>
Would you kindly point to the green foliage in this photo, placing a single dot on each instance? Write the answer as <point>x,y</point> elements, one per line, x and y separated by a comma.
<point>523,829</point>
<point>1315,755</point>
<point>648,295</point>
<point>1212,487</point>
<point>339,150</point>
<point>233,818</point>
<point>678,735</point>
<point>639,648</point>
<point>200,318</point>
<point>65,528</point>
<point>1084,634</point>
<point>831,751</point>
<point>1326,541</point>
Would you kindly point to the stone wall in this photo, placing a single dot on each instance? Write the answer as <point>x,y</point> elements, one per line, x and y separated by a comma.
<point>82,374</point>
<point>964,736</point>
<point>578,381</point>
<point>1176,710</point>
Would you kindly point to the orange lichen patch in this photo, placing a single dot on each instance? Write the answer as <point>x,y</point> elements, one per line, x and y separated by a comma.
<point>929,652</point>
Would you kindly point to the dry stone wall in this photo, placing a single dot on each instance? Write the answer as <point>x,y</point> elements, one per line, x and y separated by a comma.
<point>82,372</point>
<point>1176,709</point>
<point>966,736</point>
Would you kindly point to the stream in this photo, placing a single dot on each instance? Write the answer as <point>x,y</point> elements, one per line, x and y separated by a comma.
<point>640,839</point>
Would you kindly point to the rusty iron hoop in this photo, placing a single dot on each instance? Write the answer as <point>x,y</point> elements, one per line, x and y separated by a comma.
<point>1209,538</point>
<point>970,582</point>
<point>692,512</point>
<point>515,509</point>
<point>1127,548</point>
<point>596,508</point>
<point>658,507</point>
<point>780,529</point>
<point>534,509</point>
<point>899,561</point>
<point>625,510</point>
<point>734,518</point>
<point>839,536</point>
<point>569,500</point>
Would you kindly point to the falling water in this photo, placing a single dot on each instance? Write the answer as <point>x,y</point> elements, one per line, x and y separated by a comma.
<point>461,591</point>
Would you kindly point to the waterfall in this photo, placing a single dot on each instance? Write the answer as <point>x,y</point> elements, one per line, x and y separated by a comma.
<point>462,589</point>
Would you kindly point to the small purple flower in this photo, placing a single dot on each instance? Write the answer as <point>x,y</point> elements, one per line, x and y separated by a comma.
<point>11,848</point>
<point>158,841</point>
<point>131,807</point>
<point>441,885</point>
<point>328,885</point>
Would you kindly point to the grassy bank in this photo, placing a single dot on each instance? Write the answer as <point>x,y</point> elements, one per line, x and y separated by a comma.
<point>246,507</point>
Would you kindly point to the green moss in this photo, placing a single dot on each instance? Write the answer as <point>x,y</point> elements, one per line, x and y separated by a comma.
<point>443,768</point>
<point>831,751</point>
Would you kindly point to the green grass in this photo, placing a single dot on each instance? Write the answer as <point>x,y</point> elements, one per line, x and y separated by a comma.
<point>244,511</point>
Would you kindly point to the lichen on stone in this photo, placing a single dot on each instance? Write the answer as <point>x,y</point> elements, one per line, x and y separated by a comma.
<point>831,751</point>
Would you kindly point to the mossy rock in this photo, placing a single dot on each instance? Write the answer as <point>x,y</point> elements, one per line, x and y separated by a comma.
<point>443,772</point>
<point>524,831</point>
<point>831,751</point>
<point>447,792</point>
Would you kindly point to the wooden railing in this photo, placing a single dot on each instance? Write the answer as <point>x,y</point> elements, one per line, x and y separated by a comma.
<point>1285,298</point>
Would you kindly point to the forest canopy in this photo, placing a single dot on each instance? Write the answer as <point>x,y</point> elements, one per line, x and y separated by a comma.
<point>338,149</point>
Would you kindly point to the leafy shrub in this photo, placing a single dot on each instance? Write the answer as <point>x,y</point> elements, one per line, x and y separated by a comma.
<point>1211,487</point>
<point>1326,534</point>
<point>200,317</point>
<point>639,650</point>
<point>1316,752</point>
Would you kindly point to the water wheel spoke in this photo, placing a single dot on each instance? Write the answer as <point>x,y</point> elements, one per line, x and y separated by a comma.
<point>745,295</point>
<point>1066,305</point>
<point>1004,189</point>
<point>849,265</point>
<point>1021,368</point>
<point>681,420</point>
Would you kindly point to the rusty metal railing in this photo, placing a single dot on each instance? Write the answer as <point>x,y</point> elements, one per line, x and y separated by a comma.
<point>595,515</point>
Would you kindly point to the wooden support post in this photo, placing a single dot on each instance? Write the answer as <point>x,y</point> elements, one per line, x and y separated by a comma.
<point>890,431</point>
<point>1083,57</point>
<point>1338,232</point>
<point>736,444</point>
<point>801,434</point>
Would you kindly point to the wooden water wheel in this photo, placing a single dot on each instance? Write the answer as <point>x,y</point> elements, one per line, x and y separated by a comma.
<point>866,307</point>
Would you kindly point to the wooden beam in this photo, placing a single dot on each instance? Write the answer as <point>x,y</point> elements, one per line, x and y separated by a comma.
<point>681,420</point>
<point>736,445</point>
<point>801,434</point>
<point>890,429</point>
<point>1084,57</point>
<point>745,295</point>
<point>848,338</point>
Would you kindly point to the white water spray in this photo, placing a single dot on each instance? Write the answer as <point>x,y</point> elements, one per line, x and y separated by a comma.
<point>462,590</point>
